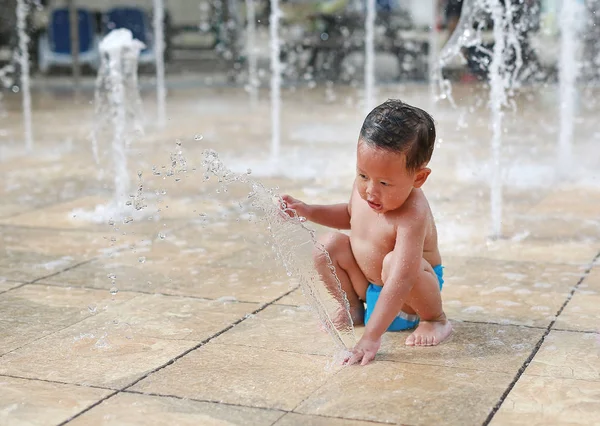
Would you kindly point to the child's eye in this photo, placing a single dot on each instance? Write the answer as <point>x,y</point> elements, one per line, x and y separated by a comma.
<point>384,183</point>
<point>362,176</point>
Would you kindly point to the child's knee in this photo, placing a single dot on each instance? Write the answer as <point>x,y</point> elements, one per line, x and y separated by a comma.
<point>329,247</point>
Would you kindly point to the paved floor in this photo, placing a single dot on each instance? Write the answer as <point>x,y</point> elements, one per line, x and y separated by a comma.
<point>184,316</point>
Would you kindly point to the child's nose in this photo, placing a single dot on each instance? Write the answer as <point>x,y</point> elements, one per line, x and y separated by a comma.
<point>371,191</point>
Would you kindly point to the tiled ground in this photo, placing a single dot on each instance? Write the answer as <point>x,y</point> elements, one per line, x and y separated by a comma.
<point>206,328</point>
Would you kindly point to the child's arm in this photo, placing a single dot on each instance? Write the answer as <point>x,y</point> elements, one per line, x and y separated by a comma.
<point>333,216</point>
<point>402,275</point>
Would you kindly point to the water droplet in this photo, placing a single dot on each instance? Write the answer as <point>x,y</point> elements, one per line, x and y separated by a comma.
<point>198,137</point>
<point>161,236</point>
<point>15,89</point>
<point>128,219</point>
<point>249,171</point>
<point>111,222</point>
<point>92,309</point>
<point>128,203</point>
<point>141,259</point>
<point>114,290</point>
<point>111,276</point>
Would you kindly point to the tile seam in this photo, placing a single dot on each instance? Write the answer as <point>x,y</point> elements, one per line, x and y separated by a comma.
<point>535,350</point>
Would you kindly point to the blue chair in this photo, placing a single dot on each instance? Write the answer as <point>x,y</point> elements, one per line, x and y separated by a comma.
<point>136,21</point>
<point>55,45</point>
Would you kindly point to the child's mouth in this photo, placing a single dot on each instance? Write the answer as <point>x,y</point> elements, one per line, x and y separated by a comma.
<point>373,205</point>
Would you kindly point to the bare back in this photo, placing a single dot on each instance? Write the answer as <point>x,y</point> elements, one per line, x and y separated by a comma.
<point>373,235</point>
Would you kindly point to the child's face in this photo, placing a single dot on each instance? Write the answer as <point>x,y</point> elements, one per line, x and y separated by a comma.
<point>382,178</point>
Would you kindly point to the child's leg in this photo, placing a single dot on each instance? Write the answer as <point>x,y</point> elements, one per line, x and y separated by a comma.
<point>425,299</point>
<point>347,270</point>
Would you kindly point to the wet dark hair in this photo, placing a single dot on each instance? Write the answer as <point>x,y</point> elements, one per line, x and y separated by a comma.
<point>402,128</point>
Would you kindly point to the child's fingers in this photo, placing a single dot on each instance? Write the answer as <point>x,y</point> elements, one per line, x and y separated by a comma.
<point>355,358</point>
<point>367,358</point>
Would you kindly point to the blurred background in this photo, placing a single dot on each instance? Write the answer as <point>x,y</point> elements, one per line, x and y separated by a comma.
<point>320,40</point>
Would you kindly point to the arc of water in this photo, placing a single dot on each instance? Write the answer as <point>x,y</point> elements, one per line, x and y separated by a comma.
<point>275,81</point>
<point>22,12</point>
<point>159,47</point>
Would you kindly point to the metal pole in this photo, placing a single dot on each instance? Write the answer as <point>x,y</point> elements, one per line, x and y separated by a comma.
<point>74,35</point>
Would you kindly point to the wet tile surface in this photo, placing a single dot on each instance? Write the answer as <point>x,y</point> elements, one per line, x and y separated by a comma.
<point>194,260</point>
<point>406,394</point>
<point>284,328</point>
<point>294,419</point>
<point>548,400</point>
<point>503,292</point>
<point>32,402</point>
<point>568,355</point>
<point>487,347</point>
<point>241,375</point>
<point>130,408</point>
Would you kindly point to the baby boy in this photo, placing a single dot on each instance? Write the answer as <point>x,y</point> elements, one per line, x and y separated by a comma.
<point>390,260</point>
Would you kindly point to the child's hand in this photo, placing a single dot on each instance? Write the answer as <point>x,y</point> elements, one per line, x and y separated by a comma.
<point>292,203</point>
<point>364,351</point>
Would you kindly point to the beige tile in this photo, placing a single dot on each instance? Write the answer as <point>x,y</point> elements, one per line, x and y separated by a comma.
<point>55,306</point>
<point>523,293</point>
<point>137,409</point>
<point>241,375</point>
<point>34,311</point>
<point>568,355</point>
<point>571,202</point>
<point>581,313</point>
<point>592,281</point>
<point>178,273</point>
<point>403,393</point>
<point>173,317</point>
<point>550,401</point>
<point>57,244</point>
<point>294,419</point>
<point>69,215</point>
<point>6,285</point>
<point>15,334</point>
<point>96,352</point>
<point>30,402</point>
<point>487,347</point>
<point>285,328</point>
<point>295,298</point>
<point>519,248</point>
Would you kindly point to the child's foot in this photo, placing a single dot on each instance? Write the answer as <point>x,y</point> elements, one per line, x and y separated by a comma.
<point>430,333</point>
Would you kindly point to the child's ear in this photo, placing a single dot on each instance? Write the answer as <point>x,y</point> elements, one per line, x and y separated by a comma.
<point>421,177</point>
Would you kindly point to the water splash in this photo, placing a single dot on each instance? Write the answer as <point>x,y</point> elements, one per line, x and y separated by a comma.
<point>275,81</point>
<point>22,12</point>
<point>568,70</point>
<point>253,81</point>
<point>118,118</point>
<point>504,68</point>
<point>159,47</point>
<point>370,57</point>
<point>294,244</point>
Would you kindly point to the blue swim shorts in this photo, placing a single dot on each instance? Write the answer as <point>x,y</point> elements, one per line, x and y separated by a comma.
<point>403,321</point>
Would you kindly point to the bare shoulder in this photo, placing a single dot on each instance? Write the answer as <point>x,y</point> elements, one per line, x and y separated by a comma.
<point>415,212</point>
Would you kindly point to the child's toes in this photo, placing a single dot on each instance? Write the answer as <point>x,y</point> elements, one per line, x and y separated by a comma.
<point>410,340</point>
